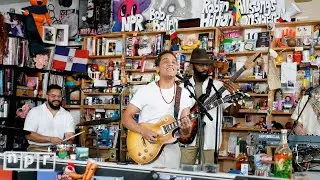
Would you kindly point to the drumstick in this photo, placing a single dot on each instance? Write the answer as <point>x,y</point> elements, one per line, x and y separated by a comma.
<point>73,136</point>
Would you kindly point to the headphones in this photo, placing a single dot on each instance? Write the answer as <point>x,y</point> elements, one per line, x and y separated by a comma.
<point>65,3</point>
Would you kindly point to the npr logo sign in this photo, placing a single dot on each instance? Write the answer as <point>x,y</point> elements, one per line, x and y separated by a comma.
<point>29,161</point>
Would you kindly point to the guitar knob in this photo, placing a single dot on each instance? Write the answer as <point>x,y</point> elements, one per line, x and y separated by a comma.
<point>144,158</point>
<point>151,155</point>
<point>139,154</point>
<point>146,150</point>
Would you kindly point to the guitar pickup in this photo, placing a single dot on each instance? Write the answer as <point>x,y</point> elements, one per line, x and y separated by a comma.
<point>163,130</point>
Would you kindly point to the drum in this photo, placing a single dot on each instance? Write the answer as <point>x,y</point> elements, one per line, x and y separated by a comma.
<point>64,150</point>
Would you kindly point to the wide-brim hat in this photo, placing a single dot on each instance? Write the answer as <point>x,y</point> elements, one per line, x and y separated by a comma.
<point>200,56</point>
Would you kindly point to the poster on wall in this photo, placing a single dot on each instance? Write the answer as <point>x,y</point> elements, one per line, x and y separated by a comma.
<point>211,12</point>
<point>65,12</point>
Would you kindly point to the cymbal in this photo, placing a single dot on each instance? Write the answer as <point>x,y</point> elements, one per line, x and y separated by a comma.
<point>97,122</point>
<point>13,131</point>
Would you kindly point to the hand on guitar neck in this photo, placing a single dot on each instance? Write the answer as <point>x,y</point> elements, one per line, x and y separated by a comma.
<point>230,86</point>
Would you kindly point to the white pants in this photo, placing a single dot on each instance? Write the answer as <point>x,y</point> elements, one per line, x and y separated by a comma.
<point>169,157</point>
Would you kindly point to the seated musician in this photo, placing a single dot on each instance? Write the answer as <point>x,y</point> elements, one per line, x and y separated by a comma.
<point>49,123</point>
<point>308,122</point>
<point>156,100</point>
<point>201,63</point>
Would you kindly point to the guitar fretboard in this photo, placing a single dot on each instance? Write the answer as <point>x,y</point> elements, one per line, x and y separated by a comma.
<point>237,74</point>
<point>210,104</point>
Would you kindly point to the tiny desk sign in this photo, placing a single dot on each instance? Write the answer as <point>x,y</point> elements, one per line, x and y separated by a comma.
<point>29,161</point>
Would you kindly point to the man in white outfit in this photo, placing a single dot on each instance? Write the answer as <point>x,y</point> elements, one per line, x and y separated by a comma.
<point>156,100</point>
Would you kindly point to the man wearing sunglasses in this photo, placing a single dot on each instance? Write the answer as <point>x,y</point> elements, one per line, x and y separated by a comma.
<point>49,123</point>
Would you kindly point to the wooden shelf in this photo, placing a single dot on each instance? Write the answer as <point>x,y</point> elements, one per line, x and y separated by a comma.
<point>227,158</point>
<point>99,138</point>
<point>33,98</point>
<point>188,52</point>
<point>100,94</point>
<point>258,95</point>
<point>139,70</point>
<point>138,82</point>
<point>140,57</point>
<point>251,80</point>
<point>248,129</point>
<point>285,49</point>
<point>71,106</point>
<point>102,106</point>
<point>243,53</point>
<point>105,57</point>
<point>279,112</point>
<point>102,148</point>
<point>252,111</point>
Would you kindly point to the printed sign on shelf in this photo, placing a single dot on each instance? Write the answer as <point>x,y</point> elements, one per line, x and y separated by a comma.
<point>29,161</point>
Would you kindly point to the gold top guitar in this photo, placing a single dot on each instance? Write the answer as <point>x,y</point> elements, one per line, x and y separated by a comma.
<point>143,152</point>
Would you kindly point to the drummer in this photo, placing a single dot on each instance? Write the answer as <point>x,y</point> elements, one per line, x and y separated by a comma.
<point>49,123</point>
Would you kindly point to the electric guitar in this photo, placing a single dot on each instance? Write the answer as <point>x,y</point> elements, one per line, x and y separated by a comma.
<point>142,151</point>
<point>248,64</point>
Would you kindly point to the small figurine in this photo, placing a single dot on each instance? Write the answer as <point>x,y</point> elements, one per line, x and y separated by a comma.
<point>261,124</point>
<point>276,125</point>
<point>264,105</point>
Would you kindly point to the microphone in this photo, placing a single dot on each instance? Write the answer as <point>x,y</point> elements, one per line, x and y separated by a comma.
<point>185,80</point>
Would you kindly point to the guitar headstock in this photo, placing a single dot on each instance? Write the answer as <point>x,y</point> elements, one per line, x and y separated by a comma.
<point>251,61</point>
<point>236,96</point>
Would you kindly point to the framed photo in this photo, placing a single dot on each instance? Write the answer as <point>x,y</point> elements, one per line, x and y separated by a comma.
<point>15,25</point>
<point>49,34</point>
<point>62,34</point>
<point>111,47</point>
<point>49,51</point>
<point>228,121</point>
<point>249,118</point>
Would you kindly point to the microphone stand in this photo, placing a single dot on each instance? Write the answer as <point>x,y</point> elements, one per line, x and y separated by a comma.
<point>200,121</point>
<point>217,129</point>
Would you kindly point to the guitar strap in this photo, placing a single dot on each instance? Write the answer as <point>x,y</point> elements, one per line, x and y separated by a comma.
<point>177,102</point>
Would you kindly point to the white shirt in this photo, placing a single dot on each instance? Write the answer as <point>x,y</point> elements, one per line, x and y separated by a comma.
<point>41,120</point>
<point>151,104</point>
<point>210,127</point>
<point>152,107</point>
<point>308,118</point>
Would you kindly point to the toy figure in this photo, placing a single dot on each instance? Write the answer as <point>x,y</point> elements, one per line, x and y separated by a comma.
<point>276,125</point>
<point>261,124</point>
<point>264,105</point>
<point>39,13</point>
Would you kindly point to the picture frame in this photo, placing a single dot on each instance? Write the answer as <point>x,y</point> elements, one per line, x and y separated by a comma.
<point>228,121</point>
<point>111,47</point>
<point>15,25</point>
<point>50,52</point>
<point>62,38</point>
<point>49,34</point>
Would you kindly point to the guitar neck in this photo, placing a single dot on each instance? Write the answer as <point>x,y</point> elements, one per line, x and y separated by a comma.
<point>210,104</point>
<point>237,74</point>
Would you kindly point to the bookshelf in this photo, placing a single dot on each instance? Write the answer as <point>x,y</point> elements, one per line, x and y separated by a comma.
<point>281,116</point>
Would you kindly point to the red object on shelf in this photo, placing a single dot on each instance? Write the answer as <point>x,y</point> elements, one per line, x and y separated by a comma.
<point>297,56</point>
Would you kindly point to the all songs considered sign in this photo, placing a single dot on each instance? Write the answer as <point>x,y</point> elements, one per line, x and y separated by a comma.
<point>246,12</point>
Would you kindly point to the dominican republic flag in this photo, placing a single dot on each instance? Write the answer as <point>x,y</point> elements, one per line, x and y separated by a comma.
<point>70,59</point>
